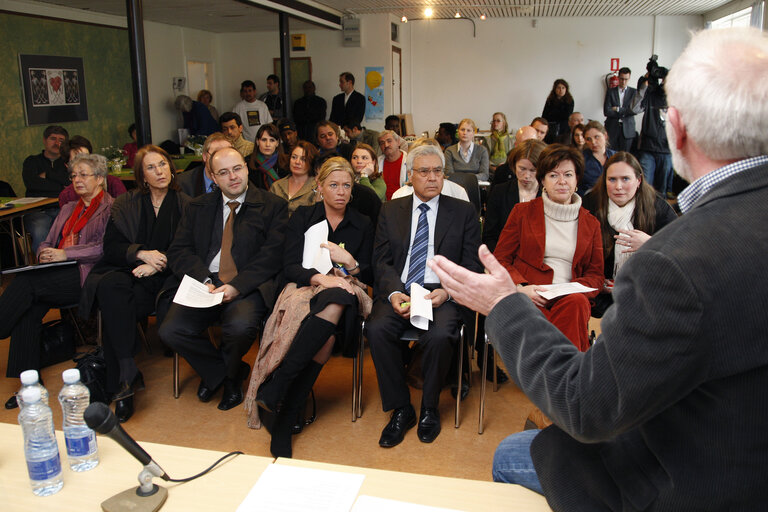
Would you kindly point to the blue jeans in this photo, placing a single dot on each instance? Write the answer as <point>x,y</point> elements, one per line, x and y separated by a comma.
<point>38,224</point>
<point>512,461</point>
<point>657,168</point>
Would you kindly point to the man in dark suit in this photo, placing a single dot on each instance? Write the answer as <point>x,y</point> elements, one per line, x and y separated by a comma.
<point>196,180</point>
<point>662,413</point>
<point>308,110</point>
<point>232,241</point>
<point>410,231</point>
<point>619,117</point>
<point>349,105</point>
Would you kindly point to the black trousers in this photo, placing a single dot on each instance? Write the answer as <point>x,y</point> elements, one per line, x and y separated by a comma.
<point>24,304</point>
<point>183,331</point>
<point>123,301</point>
<point>384,328</point>
<point>618,142</point>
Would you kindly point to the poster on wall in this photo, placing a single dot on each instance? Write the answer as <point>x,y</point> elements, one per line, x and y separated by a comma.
<point>54,89</point>
<point>374,92</point>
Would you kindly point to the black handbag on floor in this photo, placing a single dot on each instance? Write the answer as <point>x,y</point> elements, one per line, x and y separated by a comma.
<point>93,373</point>
<point>57,342</point>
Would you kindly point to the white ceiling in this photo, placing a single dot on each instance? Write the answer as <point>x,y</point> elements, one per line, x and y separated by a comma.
<point>237,16</point>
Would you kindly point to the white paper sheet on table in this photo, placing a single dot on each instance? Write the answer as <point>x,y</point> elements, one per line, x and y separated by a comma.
<point>558,290</point>
<point>315,256</point>
<point>25,200</point>
<point>421,308</point>
<point>194,294</point>
<point>293,489</point>
<point>366,503</point>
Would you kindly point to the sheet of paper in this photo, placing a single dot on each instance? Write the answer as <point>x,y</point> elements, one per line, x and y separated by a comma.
<point>293,489</point>
<point>26,200</point>
<point>558,290</point>
<point>39,266</point>
<point>315,256</point>
<point>373,504</point>
<point>194,294</point>
<point>421,308</point>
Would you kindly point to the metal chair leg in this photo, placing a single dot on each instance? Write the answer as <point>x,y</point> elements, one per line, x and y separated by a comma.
<point>176,375</point>
<point>461,377</point>
<point>360,361</point>
<point>484,372</point>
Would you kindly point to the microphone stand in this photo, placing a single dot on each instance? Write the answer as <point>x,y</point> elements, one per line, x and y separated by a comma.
<point>147,497</point>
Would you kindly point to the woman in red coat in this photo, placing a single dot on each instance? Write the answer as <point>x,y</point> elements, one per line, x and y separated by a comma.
<point>553,240</point>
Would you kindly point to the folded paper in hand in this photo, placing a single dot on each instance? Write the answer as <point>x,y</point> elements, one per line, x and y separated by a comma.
<point>558,290</point>
<point>421,308</point>
<point>315,256</point>
<point>194,294</point>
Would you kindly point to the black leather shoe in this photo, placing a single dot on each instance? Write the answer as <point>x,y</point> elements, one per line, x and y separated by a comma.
<point>232,396</point>
<point>403,419</point>
<point>204,393</point>
<point>124,409</point>
<point>128,389</point>
<point>429,424</point>
<point>501,377</point>
<point>11,403</point>
<point>464,390</point>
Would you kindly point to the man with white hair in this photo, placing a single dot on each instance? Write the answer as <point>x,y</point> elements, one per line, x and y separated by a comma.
<point>663,412</point>
<point>392,162</point>
<point>410,231</point>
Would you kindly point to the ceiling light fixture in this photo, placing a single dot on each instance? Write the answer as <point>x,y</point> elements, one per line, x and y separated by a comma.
<point>428,12</point>
<point>404,19</point>
<point>482,16</point>
<point>457,15</point>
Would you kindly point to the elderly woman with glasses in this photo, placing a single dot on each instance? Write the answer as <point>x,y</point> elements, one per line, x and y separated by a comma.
<point>76,235</point>
<point>126,283</point>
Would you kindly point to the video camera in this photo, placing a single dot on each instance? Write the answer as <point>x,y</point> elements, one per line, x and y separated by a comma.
<point>655,72</point>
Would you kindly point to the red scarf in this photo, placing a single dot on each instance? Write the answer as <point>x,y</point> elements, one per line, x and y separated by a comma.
<point>70,233</point>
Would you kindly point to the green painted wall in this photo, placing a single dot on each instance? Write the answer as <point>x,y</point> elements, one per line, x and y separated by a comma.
<point>107,68</point>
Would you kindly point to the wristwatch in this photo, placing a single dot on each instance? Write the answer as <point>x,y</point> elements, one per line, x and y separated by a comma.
<point>357,265</point>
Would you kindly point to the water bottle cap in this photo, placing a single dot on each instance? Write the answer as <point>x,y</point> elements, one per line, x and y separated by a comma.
<point>29,377</point>
<point>71,376</point>
<point>30,395</point>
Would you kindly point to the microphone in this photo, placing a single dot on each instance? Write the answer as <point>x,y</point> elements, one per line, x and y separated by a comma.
<point>101,419</point>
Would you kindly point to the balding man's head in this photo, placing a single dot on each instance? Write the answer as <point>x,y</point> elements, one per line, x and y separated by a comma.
<point>574,119</point>
<point>229,172</point>
<point>525,133</point>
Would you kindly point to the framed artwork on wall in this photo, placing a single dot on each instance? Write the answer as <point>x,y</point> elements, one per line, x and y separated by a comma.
<point>54,89</point>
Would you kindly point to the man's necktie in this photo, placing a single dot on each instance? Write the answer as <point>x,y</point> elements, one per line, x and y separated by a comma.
<point>419,250</point>
<point>227,268</point>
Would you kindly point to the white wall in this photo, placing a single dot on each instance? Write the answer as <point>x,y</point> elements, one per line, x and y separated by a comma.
<point>510,65</point>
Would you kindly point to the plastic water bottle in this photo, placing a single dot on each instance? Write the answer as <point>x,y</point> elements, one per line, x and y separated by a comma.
<point>31,379</point>
<point>74,398</point>
<point>40,447</point>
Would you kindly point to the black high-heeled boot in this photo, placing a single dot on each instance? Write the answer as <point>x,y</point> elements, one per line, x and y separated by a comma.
<point>293,401</point>
<point>310,338</point>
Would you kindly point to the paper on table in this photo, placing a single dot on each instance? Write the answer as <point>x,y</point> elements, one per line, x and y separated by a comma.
<point>294,489</point>
<point>558,290</point>
<point>421,308</point>
<point>26,200</point>
<point>374,504</point>
<point>315,256</point>
<point>194,294</point>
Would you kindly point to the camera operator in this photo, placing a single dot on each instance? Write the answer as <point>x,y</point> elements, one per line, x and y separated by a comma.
<point>653,150</point>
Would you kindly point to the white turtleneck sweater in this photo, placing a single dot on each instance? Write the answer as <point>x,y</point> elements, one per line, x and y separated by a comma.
<point>561,222</point>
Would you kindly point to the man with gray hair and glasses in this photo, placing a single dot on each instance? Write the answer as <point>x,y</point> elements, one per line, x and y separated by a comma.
<point>412,230</point>
<point>663,412</point>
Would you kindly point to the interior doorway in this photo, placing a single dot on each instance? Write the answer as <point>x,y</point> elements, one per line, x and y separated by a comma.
<point>397,87</point>
<point>199,76</point>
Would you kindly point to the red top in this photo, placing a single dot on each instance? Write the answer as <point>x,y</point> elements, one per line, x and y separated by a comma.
<point>391,175</point>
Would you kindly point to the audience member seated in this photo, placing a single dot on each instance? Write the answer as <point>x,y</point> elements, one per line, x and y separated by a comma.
<point>232,127</point>
<point>523,188</point>
<point>595,155</point>
<point>450,188</point>
<point>525,133</point>
<point>288,139</point>
<point>541,126</point>
<point>264,162</point>
<point>553,240</point>
<point>577,137</point>
<point>196,180</point>
<point>329,140</point>
<point>127,281</point>
<point>315,311</point>
<point>391,162</point>
<point>366,166</point>
<point>504,172</point>
<point>197,118</point>
<point>574,120</point>
<point>130,148</point>
<point>298,188</point>
<point>206,98</point>
<point>45,175</point>
<point>392,123</point>
<point>232,241</point>
<point>629,211</point>
<point>74,146</point>
<point>436,224</point>
<point>499,142</point>
<point>557,110</point>
<point>466,156</point>
<point>446,135</point>
<point>76,234</point>
<point>359,134</point>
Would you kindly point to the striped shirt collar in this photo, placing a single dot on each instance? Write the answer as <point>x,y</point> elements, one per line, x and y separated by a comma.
<point>696,190</point>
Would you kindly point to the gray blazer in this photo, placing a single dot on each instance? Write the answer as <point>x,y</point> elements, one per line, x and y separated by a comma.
<point>478,162</point>
<point>663,412</point>
<point>624,114</point>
